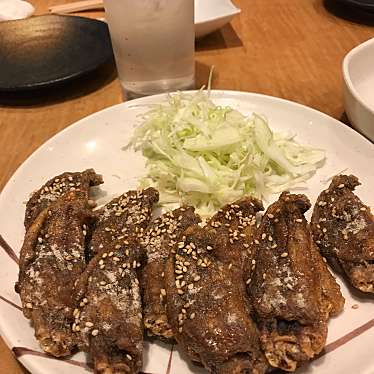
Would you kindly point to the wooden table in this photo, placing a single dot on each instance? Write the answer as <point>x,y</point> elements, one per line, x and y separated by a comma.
<point>287,48</point>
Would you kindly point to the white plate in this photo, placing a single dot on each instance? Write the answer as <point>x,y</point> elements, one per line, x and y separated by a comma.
<point>211,15</point>
<point>97,141</point>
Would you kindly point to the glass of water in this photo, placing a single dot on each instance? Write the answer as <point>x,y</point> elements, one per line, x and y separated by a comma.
<point>153,43</point>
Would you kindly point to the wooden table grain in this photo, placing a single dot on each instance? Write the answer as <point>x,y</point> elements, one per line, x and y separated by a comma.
<point>287,48</point>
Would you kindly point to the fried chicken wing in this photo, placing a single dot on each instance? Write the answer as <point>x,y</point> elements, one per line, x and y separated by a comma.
<point>57,187</point>
<point>234,226</point>
<point>52,258</point>
<point>291,290</point>
<point>124,217</point>
<point>208,309</point>
<point>158,240</point>
<point>108,320</point>
<point>343,228</point>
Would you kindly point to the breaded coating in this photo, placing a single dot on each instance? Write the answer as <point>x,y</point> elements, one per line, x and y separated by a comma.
<point>343,228</point>
<point>52,258</point>
<point>158,240</point>
<point>208,309</point>
<point>234,226</point>
<point>57,187</point>
<point>124,217</point>
<point>108,321</point>
<point>290,287</point>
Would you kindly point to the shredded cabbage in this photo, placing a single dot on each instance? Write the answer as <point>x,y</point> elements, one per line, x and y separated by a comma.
<point>205,155</point>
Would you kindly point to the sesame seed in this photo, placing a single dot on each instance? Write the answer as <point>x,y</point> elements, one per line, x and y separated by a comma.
<point>363,209</point>
<point>85,300</point>
<point>192,315</point>
<point>101,262</point>
<point>253,262</point>
<point>116,259</point>
<point>248,281</point>
<point>284,254</point>
<point>40,240</point>
<point>89,324</point>
<point>299,220</point>
<point>104,255</point>
<point>29,305</point>
<point>341,185</point>
<point>180,292</point>
<point>128,357</point>
<point>209,248</point>
<point>95,332</point>
<point>102,283</point>
<point>322,203</point>
<point>263,236</point>
<point>270,215</point>
<point>197,278</point>
<point>230,266</point>
<point>163,292</point>
<point>256,241</point>
<point>190,286</point>
<point>180,329</point>
<point>324,229</point>
<point>264,276</point>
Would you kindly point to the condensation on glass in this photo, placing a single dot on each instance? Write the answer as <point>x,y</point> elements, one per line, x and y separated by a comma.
<point>153,43</point>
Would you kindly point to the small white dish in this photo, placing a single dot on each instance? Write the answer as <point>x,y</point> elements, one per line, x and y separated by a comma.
<point>15,9</point>
<point>358,73</point>
<point>211,15</point>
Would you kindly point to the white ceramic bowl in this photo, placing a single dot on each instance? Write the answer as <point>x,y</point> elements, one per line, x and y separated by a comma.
<point>211,15</point>
<point>358,73</point>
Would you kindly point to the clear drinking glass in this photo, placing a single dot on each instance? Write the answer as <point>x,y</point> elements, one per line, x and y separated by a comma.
<point>153,43</point>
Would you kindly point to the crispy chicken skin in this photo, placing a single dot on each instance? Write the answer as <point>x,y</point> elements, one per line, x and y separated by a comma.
<point>52,258</point>
<point>57,187</point>
<point>343,228</point>
<point>109,318</point>
<point>291,290</point>
<point>125,216</point>
<point>208,308</point>
<point>158,240</point>
<point>234,226</point>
